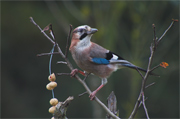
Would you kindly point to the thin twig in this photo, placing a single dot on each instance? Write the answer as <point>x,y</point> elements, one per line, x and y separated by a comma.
<point>68,39</point>
<point>154,68</point>
<point>144,105</point>
<point>155,38</point>
<point>150,85</point>
<point>60,51</point>
<point>137,104</point>
<point>166,31</point>
<point>140,73</point>
<point>154,31</point>
<point>141,102</point>
<point>60,74</point>
<point>82,94</point>
<point>61,62</point>
<point>43,54</point>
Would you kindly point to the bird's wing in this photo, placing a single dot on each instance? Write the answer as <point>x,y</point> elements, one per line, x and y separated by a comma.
<point>100,55</point>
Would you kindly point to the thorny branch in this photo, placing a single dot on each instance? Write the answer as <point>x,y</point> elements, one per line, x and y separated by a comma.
<point>143,86</point>
<point>71,68</point>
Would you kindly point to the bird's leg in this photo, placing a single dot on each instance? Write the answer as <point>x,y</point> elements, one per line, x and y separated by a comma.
<point>93,94</point>
<point>75,71</point>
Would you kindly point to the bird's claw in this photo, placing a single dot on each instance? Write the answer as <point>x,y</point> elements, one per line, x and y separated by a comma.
<point>74,72</point>
<point>92,95</point>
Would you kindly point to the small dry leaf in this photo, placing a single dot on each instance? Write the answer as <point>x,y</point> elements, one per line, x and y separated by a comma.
<point>164,64</point>
<point>176,20</point>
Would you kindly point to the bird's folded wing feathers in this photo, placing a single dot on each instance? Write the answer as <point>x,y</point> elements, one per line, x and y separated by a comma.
<point>111,61</point>
<point>100,60</point>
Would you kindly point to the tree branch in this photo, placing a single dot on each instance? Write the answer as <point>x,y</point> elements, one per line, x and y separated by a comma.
<point>143,86</point>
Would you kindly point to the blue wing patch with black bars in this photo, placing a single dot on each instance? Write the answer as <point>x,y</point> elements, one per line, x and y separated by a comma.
<point>100,60</point>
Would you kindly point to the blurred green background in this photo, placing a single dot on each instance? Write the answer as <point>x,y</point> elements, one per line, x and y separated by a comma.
<point>123,27</point>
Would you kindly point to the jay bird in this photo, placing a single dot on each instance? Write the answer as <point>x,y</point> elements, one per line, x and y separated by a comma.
<point>93,58</point>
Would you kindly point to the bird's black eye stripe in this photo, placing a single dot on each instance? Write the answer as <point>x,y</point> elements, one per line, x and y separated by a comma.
<point>83,36</point>
<point>109,55</point>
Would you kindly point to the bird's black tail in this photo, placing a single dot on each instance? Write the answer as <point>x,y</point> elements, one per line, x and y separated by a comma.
<point>125,63</point>
<point>138,68</point>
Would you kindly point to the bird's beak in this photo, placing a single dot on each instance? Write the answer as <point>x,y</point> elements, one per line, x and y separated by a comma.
<point>92,31</point>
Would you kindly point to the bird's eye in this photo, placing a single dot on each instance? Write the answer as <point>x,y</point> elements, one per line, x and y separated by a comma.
<point>81,30</point>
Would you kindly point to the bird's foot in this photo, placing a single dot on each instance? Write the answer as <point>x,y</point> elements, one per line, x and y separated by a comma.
<point>75,71</point>
<point>92,95</point>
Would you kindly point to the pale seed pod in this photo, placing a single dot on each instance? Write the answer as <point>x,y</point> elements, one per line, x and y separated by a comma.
<point>48,87</point>
<point>52,118</point>
<point>51,85</point>
<point>52,77</point>
<point>52,109</point>
<point>53,101</point>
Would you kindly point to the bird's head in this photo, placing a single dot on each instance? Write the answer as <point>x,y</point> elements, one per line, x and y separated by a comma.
<point>84,31</point>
